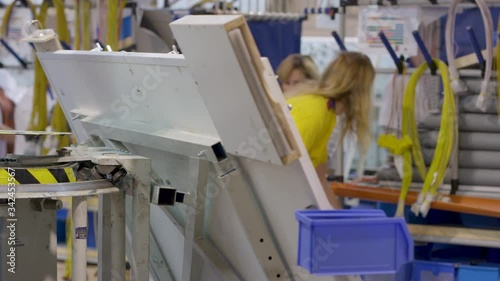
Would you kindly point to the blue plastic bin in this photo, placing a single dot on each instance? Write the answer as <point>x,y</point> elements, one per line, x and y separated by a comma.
<point>478,273</point>
<point>345,242</point>
<point>433,271</point>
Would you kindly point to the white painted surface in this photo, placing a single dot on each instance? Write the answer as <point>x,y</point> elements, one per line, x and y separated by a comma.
<point>224,88</point>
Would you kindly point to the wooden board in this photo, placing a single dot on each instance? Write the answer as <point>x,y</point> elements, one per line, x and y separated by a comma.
<point>468,60</point>
<point>455,235</point>
<point>461,204</point>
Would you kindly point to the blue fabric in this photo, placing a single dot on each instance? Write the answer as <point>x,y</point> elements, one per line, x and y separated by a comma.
<point>470,17</point>
<point>276,39</point>
<point>126,28</point>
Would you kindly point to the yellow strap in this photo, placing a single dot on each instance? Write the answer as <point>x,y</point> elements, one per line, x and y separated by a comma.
<point>6,178</point>
<point>42,175</point>
<point>70,173</point>
<point>394,145</point>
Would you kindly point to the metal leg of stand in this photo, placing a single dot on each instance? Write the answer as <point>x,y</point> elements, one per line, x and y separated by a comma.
<point>455,154</point>
<point>111,243</point>
<point>194,219</point>
<point>79,243</point>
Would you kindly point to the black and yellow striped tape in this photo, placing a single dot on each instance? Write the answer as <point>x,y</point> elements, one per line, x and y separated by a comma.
<point>37,175</point>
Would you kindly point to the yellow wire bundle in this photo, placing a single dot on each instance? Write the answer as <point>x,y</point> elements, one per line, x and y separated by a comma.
<point>58,122</point>
<point>8,13</point>
<point>86,13</point>
<point>39,120</point>
<point>444,147</point>
<point>112,36</point>
<point>115,13</point>
<point>409,144</point>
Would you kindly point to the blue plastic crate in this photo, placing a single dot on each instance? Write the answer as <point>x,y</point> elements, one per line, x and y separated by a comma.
<point>478,273</point>
<point>433,271</point>
<point>347,242</point>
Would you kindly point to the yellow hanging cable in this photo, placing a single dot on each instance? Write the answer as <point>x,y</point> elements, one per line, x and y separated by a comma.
<point>8,13</point>
<point>58,122</point>
<point>86,12</point>
<point>391,142</point>
<point>409,144</point>
<point>119,19</point>
<point>446,139</point>
<point>39,120</point>
<point>112,38</point>
<point>78,42</point>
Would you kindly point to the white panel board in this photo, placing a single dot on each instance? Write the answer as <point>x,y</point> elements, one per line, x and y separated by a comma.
<point>152,88</point>
<point>230,94</point>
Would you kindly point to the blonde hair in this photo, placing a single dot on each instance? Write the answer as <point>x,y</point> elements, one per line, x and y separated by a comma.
<point>349,79</point>
<point>300,62</point>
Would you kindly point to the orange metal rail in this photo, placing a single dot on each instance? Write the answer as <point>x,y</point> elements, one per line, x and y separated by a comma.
<point>461,204</point>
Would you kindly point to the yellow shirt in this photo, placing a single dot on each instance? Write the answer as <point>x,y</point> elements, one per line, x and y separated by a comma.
<point>315,123</point>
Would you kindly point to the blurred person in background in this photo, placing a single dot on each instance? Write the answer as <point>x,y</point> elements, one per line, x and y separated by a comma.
<point>343,89</point>
<point>8,98</point>
<point>297,70</point>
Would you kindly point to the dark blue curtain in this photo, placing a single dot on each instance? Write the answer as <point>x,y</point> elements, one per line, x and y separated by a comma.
<point>470,17</point>
<point>276,39</point>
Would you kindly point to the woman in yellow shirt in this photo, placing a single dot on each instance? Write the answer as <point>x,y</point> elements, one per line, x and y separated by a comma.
<point>344,89</point>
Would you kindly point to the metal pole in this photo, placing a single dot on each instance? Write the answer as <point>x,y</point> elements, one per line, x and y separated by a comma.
<point>339,156</point>
<point>140,218</point>
<point>455,153</point>
<point>79,244</point>
<point>410,2</point>
<point>111,242</point>
<point>341,22</point>
<point>195,214</point>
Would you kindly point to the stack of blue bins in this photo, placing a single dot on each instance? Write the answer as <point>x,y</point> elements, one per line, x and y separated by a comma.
<point>354,242</point>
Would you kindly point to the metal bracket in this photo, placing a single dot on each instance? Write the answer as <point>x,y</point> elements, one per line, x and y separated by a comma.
<point>168,196</point>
